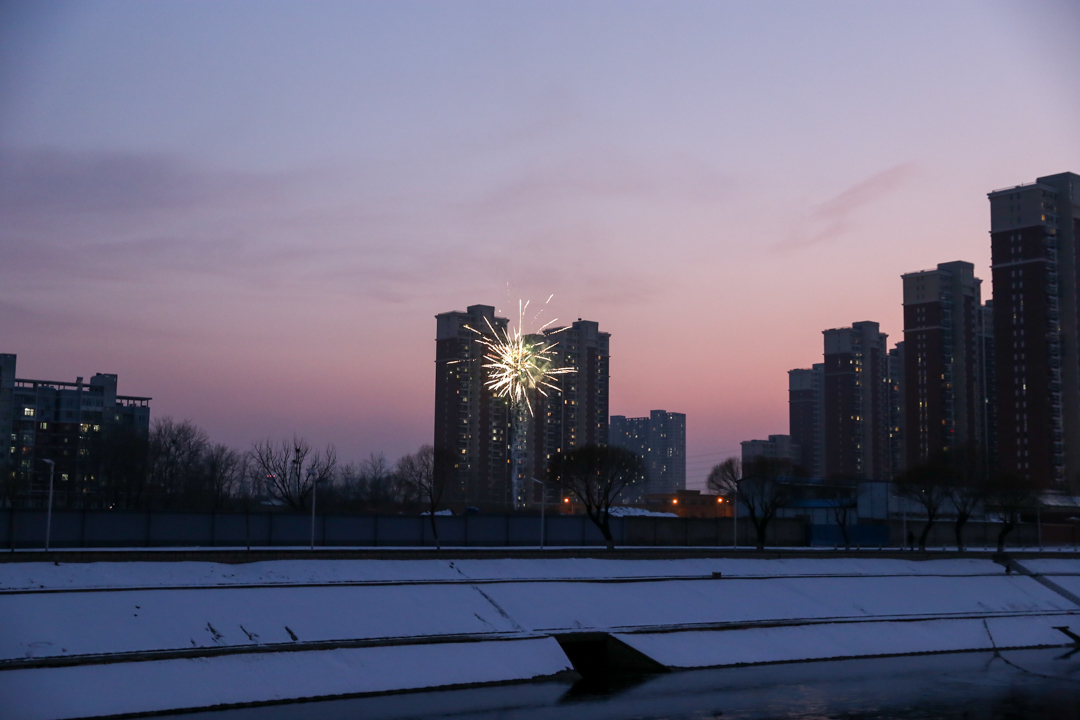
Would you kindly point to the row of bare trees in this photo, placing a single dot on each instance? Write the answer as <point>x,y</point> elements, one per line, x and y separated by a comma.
<point>941,485</point>
<point>176,467</point>
<point>762,488</point>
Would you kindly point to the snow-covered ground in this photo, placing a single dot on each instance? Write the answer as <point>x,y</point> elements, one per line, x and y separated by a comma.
<point>42,575</point>
<point>461,618</point>
<point>115,688</point>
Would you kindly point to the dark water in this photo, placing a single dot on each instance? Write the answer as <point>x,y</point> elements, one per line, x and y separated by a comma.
<point>1017,685</point>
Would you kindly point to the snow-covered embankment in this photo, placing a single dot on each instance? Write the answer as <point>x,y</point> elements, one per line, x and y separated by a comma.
<point>109,638</point>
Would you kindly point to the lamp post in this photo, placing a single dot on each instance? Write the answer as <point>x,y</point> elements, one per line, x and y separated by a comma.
<point>314,485</point>
<point>48,514</point>
<point>735,519</point>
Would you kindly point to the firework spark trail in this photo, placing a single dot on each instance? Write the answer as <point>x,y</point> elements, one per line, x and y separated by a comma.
<point>518,362</point>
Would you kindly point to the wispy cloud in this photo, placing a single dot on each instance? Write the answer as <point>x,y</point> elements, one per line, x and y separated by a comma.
<point>835,217</point>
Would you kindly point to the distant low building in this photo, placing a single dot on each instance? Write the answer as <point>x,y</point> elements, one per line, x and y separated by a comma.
<point>75,424</point>
<point>688,503</point>
<point>778,447</point>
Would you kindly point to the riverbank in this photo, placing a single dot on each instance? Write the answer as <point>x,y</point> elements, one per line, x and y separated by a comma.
<point>101,638</point>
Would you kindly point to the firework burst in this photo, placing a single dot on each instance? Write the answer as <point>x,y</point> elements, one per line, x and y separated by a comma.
<point>520,363</point>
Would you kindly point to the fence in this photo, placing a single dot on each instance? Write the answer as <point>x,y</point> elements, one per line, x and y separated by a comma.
<point>23,528</point>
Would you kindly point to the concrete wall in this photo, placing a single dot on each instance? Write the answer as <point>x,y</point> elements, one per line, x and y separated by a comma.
<point>22,528</point>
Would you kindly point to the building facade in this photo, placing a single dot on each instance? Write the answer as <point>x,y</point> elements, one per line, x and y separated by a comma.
<point>472,424</point>
<point>632,434</point>
<point>856,405</point>
<point>660,440</point>
<point>1033,237</point>
<point>575,413</point>
<point>476,427</point>
<point>806,400</point>
<point>944,374</point>
<point>73,424</point>
<point>897,411</point>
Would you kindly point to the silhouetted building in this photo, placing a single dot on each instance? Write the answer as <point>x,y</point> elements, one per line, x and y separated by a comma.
<point>856,406</point>
<point>576,413</point>
<point>633,435</point>
<point>1033,233</point>
<point>471,422</point>
<point>663,450</point>
<point>989,392</point>
<point>74,424</point>
<point>777,447</point>
<point>943,375</point>
<point>806,399</point>
<point>897,414</point>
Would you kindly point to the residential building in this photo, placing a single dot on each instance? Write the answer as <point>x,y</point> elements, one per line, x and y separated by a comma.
<point>897,413</point>
<point>73,424</point>
<point>477,427</point>
<point>806,399</point>
<point>856,404</point>
<point>1033,237</point>
<point>472,424</point>
<point>943,365</point>
<point>575,412</point>
<point>661,441</point>
<point>688,503</point>
<point>989,389</point>
<point>632,434</point>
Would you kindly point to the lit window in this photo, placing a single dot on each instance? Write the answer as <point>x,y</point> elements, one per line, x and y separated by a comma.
<point>28,412</point>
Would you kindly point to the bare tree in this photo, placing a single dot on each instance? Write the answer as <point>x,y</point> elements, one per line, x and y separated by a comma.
<point>223,472</point>
<point>724,478</point>
<point>763,492</point>
<point>290,469</point>
<point>175,458</point>
<point>926,485</point>
<point>427,474</point>
<point>1007,495</point>
<point>965,496</point>
<point>595,475</point>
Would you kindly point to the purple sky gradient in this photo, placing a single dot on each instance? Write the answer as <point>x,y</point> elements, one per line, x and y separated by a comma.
<point>252,211</point>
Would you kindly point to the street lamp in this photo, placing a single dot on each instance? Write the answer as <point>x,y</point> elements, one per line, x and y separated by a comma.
<point>48,514</point>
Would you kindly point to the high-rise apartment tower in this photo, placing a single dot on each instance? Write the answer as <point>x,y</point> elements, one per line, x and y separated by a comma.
<point>472,425</point>
<point>943,364</point>
<point>576,413</point>
<point>806,408</point>
<point>1033,237</point>
<point>856,404</point>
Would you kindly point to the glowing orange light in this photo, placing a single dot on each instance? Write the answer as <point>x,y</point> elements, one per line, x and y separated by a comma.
<point>675,501</point>
<point>719,500</point>
<point>565,500</point>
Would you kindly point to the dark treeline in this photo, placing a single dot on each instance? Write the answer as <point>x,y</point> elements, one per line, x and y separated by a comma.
<point>956,485</point>
<point>176,466</point>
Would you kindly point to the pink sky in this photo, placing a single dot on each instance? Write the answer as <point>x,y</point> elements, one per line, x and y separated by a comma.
<point>252,212</point>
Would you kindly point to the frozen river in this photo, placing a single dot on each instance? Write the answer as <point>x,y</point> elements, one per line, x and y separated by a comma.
<point>1016,685</point>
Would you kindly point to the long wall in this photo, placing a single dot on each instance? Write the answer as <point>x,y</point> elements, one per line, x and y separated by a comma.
<point>22,528</point>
